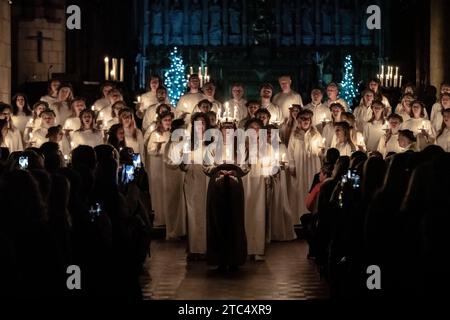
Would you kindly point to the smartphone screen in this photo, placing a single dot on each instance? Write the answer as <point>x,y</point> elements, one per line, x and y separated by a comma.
<point>127,174</point>
<point>23,162</point>
<point>136,160</point>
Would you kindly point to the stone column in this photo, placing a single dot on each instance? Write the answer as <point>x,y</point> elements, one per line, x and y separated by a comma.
<point>5,51</point>
<point>439,47</point>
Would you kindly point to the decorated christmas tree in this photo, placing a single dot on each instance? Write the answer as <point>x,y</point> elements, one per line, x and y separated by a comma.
<point>175,79</point>
<point>348,91</point>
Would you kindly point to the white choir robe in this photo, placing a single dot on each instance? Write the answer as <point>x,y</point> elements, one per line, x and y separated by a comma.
<point>362,115</point>
<point>373,131</point>
<point>241,108</point>
<point>20,122</point>
<point>155,163</point>
<point>195,191</point>
<point>13,140</point>
<point>100,104</point>
<point>285,135</point>
<point>340,101</point>
<point>276,116</point>
<point>345,149</point>
<point>285,101</point>
<point>137,144</point>
<point>62,112</point>
<point>150,115</point>
<point>385,102</point>
<point>390,146</point>
<point>49,99</point>
<point>72,124</point>
<point>87,138</point>
<point>38,137</point>
<point>400,111</point>
<point>304,157</point>
<point>175,201</point>
<point>358,141</point>
<point>328,133</point>
<point>436,117</point>
<point>255,207</point>
<point>187,104</point>
<point>280,213</point>
<point>105,115</point>
<point>416,126</point>
<point>444,140</point>
<point>110,123</point>
<point>321,113</point>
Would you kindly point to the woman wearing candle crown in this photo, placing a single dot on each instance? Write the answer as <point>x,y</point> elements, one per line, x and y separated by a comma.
<point>419,125</point>
<point>304,151</point>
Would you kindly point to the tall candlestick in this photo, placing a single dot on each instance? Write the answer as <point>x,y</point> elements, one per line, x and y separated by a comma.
<point>235,112</point>
<point>106,68</point>
<point>400,83</point>
<point>122,62</point>
<point>191,70</point>
<point>114,68</point>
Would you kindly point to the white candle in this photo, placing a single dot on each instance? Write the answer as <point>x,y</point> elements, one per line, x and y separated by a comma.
<point>93,108</point>
<point>400,83</point>
<point>283,157</point>
<point>122,66</point>
<point>114,62</point>
<point>139,99</point>
<point>101,114</point>
<point>206,71</point>
<point>227,109</point>
<point>423,124</point>
<point>191,70</point>
<point>200,72</point>
<point>111,75</point>
<point>219,115</point>
<point>106,68</point>
<point>235,112</point>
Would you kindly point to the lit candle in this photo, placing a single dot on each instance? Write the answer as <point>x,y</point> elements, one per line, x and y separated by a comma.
<point>200,72</point>
<point>31,135</point>
<point>235,112</point>
<point>101,114</point>
<point>111,75</point>
<point>139,99</point>
<point>191,70</point>
<point>93,108</point>
<point>185,106</point>
<point>114,67</point>
<point>400,82</point>
<point>283,157</point>
<point>106,68</point>
<point>122,66</point>
<point>206,71</point>
<point>423,124</point>
<point>66,157</point>
<point>227,109</point>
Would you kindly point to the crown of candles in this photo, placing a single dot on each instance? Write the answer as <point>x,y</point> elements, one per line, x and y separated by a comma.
<point>226,115</point>
<point>202,74</point>
<point>114,69</point>
<point>388,79</point>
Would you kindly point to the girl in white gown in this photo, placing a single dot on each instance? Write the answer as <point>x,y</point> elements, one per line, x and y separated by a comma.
<point>39,135</point>
<point>155,164</point>
<point>328,131</point>
<point>21,112</point>
<point>404,107</point>
<point>103,102</point>
<point>363,113</point>
<point>304,151</point>
<point>419,125</point>
<point>87,134</point>
<point>52,95</point>
<point>356,136</point>
<point>389,141</point>
<point>443,136</point>
<point>344,141</point>
<point>133,136</point>
<point>35,122</point>
<point>12,138</point>
<point>115,109</point>
<point>61,106</point>
<point>438,108</point>
<point>289,124</point>
<point>374,128</point>
<point>73,123</point>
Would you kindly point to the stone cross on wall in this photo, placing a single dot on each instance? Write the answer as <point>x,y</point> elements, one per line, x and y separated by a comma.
<point>40,39</point>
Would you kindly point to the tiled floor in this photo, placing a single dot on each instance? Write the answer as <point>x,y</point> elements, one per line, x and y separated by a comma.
<point>286,274</point>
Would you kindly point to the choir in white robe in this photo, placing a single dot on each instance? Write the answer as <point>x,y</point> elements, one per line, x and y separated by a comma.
<point>304,159</point>
<point>276,116</point>
<point>358,141</point>
<point>216,106</point>
<point>38,137</point>
<point>321,115</point>
<point>328,133</point>
<point>150,116</point>
<point>72,124</point>
<point>385,101</point>
<point>105,115</point>
<point>416,126</point>
<point>155,164</point>
<point>340,101</point>
<point>100,104</point>
<point>62,112</point>
<point>49,99</point>
<point>175,202</point>
<point>444,140</point>
<point>188,102</point>
<point>280,213</point>
<point>20,122</point>
<point>373,131</point>
<point>390,146</point>
<point>285,101</point>
<point>436,117</point>
<point>241,108</point>
<point>86,137</point>
<point>137,144</point>
<point>195,192</point>
<point>345,149</point>
<point>362,115</point>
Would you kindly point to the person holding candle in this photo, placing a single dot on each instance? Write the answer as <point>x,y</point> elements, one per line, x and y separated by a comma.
<point>151,97</point>
<point>103,102</point>
<point>437,111</point>
<point>13,136</point>
<point>419,125</point>
<point>336,110</point>
<point>443,136</point>
<point>344,143</point>
<point>321,111</point>
<point>35,122</point>
<point>61,106</point>
<point>21,112</point>
<point>237,93</point>
<point>157,180</point>
<point>266,91</point>
<point>115,109</point>
<point>73,123</point>
<point>290,124</point>
<point>374,128</point>
<point>56,134</point>
<point>403,109</point>
<point>375,86</point>
<point>105,115</point>
<point>150,114</point>
<point>286,97</point>
<point>87,134</point>
<point>363,113</point>
<point>252,107</point>
<point>133,136</point>
<point>52,92</point>
<point>39,135</point>
<point>209,90</point>
<point>333,96</point>
<point>188,101</point>
<point>304,152</point>
<point>389,141</point>
<point>356,136</point>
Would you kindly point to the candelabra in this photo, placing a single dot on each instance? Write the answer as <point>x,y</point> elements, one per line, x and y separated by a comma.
<point>389,80</point>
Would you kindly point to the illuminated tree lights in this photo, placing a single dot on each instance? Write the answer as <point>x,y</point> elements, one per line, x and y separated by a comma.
<point>175,79</point>
<point>348,86</point>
